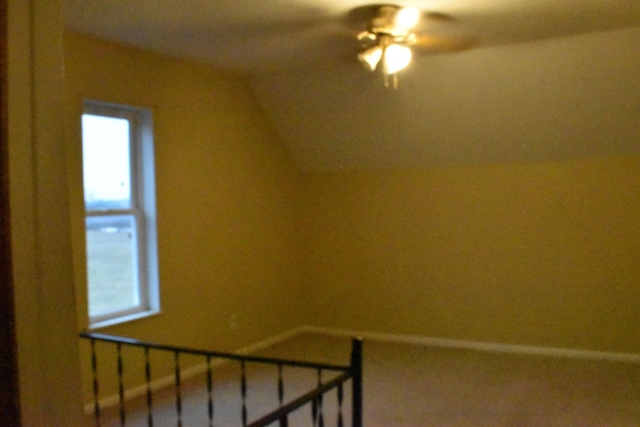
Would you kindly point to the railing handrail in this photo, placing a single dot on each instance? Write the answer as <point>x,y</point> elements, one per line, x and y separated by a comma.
<point>351,372</point>
<point>301,401</point>
<point>214,354</point>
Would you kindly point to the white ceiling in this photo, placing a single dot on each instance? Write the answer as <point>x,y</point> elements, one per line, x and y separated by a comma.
<point>548,79</point>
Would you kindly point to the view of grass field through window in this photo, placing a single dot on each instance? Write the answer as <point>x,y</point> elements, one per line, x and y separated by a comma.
<point>111,271</point>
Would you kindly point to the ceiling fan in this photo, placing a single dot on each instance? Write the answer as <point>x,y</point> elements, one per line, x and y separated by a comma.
<point>392,32</point>
<point>383,37</point>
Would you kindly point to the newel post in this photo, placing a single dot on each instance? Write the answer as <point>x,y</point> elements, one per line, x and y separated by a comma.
<point>356,372</point>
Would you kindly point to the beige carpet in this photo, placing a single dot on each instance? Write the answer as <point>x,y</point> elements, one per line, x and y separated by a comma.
<point>411,386</point>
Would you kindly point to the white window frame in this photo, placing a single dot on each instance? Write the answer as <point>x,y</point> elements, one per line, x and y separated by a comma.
<point>143,209</point>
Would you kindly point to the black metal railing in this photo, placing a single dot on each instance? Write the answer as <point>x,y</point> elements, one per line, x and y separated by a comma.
<point>280,414</point>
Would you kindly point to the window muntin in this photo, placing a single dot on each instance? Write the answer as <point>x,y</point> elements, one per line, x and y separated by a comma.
<point>119,200</point>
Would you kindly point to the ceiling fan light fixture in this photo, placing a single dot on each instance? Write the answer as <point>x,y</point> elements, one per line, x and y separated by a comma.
<point>387,40</point>
<point>389,33</point>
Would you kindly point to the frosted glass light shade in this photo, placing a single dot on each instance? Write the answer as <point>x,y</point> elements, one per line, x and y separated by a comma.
<point>407,17</point>
<point>396,58</point>
<point>371,57</point>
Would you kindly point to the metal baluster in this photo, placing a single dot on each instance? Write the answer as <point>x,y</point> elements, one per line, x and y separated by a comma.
<point>147,373</point>
<point>340,395</point>
<point>356,382</point>
<point>284,420</point>
<point>314,412</point>
<point>94,370</point>
<point>280,385</point>
<point>178,394</point>
<point>320,410</point>
<point>210,391</point>
<point>243,391</point>
<point>121,384</point>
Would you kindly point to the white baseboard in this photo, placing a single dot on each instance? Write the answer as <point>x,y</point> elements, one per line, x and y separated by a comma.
<point>188,373</point>
<point>193,371</point>
<point>478,345</point>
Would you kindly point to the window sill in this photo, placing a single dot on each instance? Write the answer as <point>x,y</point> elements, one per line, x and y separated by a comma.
<point>123,319</point>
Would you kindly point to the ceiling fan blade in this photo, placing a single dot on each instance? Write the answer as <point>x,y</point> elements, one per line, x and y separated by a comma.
<point>437,17</point>
<point>359,17</point>
<point>312,43</point>
<point>426,43</point>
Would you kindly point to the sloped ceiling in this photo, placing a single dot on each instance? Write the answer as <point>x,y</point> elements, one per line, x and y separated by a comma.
<point>546,80</point>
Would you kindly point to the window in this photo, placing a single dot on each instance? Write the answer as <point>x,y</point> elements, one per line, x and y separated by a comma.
<point>119,197</point>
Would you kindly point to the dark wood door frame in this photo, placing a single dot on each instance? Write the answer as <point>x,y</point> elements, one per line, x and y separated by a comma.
<point>9,401</point>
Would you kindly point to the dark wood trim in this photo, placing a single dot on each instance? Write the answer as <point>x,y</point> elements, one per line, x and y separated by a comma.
<point>9,399</point>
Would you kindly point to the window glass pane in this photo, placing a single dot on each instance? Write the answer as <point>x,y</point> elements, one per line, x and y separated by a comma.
<point>112,264</point>
<point>106,162</point>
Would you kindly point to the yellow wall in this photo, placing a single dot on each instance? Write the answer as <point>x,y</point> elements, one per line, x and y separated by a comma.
<point>545,254</point>
<point>226,197</point>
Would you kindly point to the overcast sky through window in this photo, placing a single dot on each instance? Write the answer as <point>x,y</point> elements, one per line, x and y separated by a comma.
<point>105,158</point>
